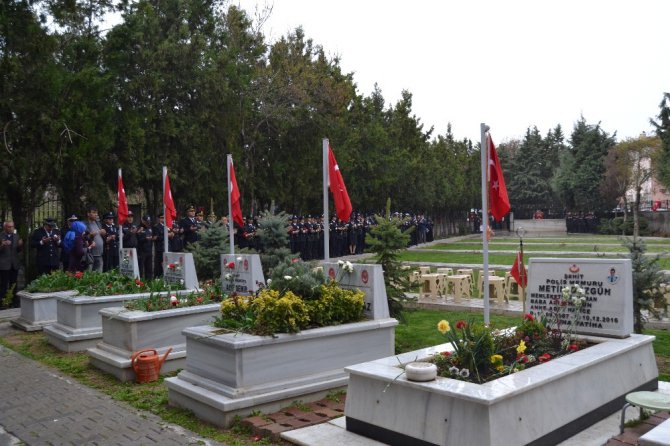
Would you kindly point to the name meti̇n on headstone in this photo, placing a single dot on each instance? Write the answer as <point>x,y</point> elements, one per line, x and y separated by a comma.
<point>241,273</point>
<point>364,277</point>
<point>608,289</point>
<point>179,269</point>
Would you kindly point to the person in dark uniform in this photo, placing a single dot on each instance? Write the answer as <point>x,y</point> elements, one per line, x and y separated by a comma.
<point>249,233</point>
<point>159,244</point>
<point>145,248</point>
<point>110,256</point>
<point>190,227</point>
<point>130,232</point>
<point>293,231</point>
<point>46,240</point>
<point>176,242</point>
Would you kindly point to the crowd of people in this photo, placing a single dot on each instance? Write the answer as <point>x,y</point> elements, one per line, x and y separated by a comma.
<point>581,222</point>
<point>91,243</point>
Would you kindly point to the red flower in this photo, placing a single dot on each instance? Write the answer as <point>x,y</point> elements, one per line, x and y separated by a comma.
<point>529,317</point>
<point>199,299</point>
<point>109,285</point>
<point>296,260</point>
<point>139,283</point>
<point>573,347</point>
<point>78,275</point>
<point>461,325</point>
<point>522,358</point>
<point>171,266</point>
<point>256,438</point>
<point>231,265</point>
<point>446,354</point>
<point>544,358</point>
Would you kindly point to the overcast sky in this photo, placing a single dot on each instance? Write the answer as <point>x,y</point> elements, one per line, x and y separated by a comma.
<point>511,64</point>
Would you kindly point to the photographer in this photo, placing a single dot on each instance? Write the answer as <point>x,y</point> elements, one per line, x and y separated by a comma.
<point>46,240</point>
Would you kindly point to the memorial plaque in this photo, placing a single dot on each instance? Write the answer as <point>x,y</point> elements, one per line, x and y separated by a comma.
<point>608,291</point>
<point>364,277</point>
<point>241,273</point>
<point>178,268</point>
<point>128,265</point>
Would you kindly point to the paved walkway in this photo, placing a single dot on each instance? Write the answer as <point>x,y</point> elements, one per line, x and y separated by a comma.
<point>38,406</point>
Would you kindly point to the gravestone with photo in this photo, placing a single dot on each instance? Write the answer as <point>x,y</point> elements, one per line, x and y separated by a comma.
<point>365,277</point>
<point>241,273</point>
<point>608,291</point>
<point>128,264</point>
<point>179,269</point>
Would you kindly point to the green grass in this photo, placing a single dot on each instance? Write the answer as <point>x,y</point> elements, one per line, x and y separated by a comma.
<point>494,259</point>
<point>511,246</point>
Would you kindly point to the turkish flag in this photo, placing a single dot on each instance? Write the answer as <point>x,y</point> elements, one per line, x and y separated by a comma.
<point>337,188</point>
<point>170,209</point>
<point>236,209</point>
<point>498,199</point>
<point>519,271</point>
<point>123,202</point>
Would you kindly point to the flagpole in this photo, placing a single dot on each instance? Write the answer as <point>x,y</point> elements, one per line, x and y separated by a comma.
<point>326,220</point>
<point>119,222</point>
<point>166,247</point>
<point>485,218</point>
<point>522,294</point>
<point>229,159</point>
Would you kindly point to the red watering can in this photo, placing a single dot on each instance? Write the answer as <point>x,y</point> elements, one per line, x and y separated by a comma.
<point>147,364</point>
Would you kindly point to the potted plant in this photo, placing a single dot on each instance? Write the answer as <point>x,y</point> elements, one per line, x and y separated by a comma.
<point>277,346</point>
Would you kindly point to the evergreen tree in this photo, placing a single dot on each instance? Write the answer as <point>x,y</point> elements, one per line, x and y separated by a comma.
<point>647,278</point>
<point>273,241</point>
<point>386,239</point>
<point>662,127</point>
<point>207,252</point>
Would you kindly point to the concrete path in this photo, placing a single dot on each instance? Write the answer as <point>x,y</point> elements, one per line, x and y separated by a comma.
<point>39,406</point>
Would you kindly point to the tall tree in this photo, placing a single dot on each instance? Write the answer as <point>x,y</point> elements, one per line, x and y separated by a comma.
<point>662,127</point>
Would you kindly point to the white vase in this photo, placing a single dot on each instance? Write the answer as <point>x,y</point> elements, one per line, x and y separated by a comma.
<point>420,371</point>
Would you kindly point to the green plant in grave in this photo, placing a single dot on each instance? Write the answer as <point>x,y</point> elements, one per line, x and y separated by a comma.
<point>55,281</point>
<point>301,278</point>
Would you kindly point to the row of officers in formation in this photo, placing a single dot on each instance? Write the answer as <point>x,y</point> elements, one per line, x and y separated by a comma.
<point>92,242</point>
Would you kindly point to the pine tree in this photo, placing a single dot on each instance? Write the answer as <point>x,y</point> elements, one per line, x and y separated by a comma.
<point>207,252</point>
<point>647,277</point>
<point>273,241</point>
<point>386,239</point>
<point>663,132</point>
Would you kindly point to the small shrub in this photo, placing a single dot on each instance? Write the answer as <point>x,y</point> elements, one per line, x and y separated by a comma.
<point>279,314</point>
<point>301,278</point>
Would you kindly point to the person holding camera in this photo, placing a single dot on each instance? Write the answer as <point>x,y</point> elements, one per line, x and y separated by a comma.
<point>46,240</point>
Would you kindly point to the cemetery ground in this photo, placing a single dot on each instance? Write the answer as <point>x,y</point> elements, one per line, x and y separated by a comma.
<point>418,330</point>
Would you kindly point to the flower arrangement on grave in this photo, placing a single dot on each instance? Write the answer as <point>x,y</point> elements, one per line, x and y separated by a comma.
<point>210,293</point>
<point>480,354</point>
<point>297,298</point>
<point>96,283</point>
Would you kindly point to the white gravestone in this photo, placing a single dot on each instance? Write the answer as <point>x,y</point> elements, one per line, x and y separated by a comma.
<point>128,265</point>
<point>364,277</point>
<point>178,268</point>
<point>241,273</point>
<point>608,288</point>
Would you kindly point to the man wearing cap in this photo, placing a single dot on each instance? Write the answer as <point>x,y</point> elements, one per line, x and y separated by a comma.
<point>64,254</point>
<point>95,234</point>
<point>159,244</point>
<point>190,226</point>
<point>129,232</point>
<point>10,247</point>
<point>145,247</point>
<point>110,258</point>
<point>46,240</point>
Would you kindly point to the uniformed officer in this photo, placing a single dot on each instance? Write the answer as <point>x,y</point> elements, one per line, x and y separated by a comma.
<point>110,256</point>
<point>46,240</point>
<point>189,225</point>
<point>130,232</point>
<point>145,243</point>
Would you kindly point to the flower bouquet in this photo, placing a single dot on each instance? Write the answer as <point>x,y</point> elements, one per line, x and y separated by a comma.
<point>480,354</point>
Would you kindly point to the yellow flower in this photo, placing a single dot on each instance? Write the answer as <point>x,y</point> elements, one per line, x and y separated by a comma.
<point>496,358</point>
<point>443,326</point>
<point>500,368</point>
<point>522,347</point>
